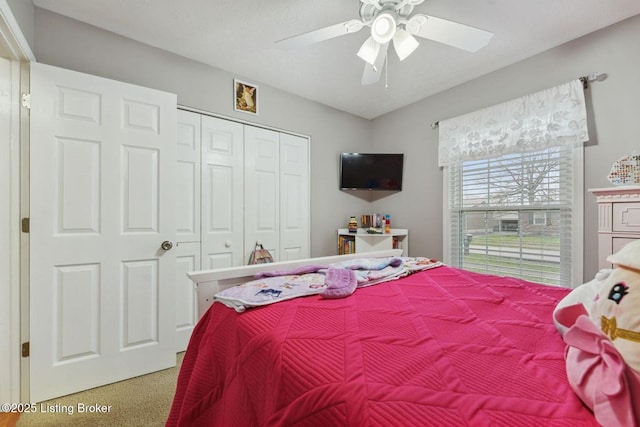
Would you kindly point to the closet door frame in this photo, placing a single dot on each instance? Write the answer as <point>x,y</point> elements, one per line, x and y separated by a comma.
<point>304,218</point>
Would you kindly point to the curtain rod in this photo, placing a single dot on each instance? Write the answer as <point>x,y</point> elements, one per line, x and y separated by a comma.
<point>593,77</point>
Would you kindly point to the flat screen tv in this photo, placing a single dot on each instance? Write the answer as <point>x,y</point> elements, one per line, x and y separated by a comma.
<point>366,171</point>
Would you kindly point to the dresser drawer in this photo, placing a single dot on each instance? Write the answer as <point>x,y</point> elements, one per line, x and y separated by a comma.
<point>626,217</point>
<point>618,243</point>
<point>618,219</point>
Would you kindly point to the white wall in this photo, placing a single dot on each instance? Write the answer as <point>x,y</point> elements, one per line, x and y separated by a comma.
<point>22,11</point>
<point>67,43</point>
<point>613,108</point>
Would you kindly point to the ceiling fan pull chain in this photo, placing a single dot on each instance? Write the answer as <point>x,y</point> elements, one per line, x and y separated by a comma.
<point>386,72</point>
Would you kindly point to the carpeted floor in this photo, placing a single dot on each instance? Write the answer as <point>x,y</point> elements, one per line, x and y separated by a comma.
<point>141,401</point>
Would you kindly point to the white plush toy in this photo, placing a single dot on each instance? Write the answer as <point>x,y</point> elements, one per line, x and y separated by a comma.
<point>616,308</point>
<point>600,323</point>
<point>584,294</point>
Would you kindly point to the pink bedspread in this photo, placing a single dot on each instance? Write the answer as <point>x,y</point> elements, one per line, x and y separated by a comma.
<point>440,347</point>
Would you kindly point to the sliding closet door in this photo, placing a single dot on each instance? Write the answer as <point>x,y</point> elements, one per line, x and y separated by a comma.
<point>254,188</point>
<point>262,190</point>
<point>102,162</point>
<point>222,193</point>
<point>188,169</point>
<point>294,197</point>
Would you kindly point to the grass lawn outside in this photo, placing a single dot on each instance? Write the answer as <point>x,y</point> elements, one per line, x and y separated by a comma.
<point>514,240</point>
<point>534,258</point>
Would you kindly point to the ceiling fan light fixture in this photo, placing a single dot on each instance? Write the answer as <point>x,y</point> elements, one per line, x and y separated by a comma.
<point>383,28</point>
<point>404,43</point>
<point>369,50</point>
<point>393,21</point>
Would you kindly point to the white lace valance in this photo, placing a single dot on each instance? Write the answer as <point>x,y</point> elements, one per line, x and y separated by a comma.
<point>552,117</point>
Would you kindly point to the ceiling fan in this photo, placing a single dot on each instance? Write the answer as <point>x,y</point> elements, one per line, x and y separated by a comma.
<point>390,21</point>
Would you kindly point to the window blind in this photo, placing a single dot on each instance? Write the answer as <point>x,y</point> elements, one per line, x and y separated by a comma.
<point>513,215</point>
<point>514,184</point>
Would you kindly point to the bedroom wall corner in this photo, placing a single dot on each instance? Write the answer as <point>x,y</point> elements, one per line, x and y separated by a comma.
<point>418,207</point>
<point>23,12</point>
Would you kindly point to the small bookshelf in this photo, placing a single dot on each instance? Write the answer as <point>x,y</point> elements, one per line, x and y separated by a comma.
<point>362,242</point>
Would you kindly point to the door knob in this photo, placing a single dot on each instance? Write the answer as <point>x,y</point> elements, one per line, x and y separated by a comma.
<point>166,245</point>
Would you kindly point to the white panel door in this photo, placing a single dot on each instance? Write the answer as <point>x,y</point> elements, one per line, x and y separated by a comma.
<point>102,162</point>
<point>222,190</point>
<point>186,298</point>
<point>294,197</point>
<point>188,177</point>
<point>188,169</point>
<point>262,188</point>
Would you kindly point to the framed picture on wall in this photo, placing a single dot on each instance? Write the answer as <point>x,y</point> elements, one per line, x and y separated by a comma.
<point>245,97</point>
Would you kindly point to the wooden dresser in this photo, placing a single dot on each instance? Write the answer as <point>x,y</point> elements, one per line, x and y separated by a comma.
<point>618,219</point>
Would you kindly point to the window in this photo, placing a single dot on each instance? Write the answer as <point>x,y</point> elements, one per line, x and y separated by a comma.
<point>515,215</point>
<point>514,186</point>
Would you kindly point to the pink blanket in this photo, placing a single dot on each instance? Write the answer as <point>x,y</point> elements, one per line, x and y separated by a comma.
<point>439,347</point>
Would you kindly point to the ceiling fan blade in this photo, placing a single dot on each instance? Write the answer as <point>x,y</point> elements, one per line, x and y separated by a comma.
<point>448,32</point>
<point>373,72</point>
<point>322,34</point>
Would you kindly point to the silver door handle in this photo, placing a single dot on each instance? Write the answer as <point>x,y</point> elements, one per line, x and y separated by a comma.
<point>166,245</point>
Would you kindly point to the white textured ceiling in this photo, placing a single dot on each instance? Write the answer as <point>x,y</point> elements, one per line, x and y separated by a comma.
<point>238,36</point>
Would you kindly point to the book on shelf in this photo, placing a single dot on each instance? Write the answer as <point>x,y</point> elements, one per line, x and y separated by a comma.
<point>372,221</point>
<point>346,245</point>
<point>397,243</point>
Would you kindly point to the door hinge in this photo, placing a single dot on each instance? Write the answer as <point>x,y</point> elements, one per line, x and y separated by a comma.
<point>25,225</point>
<point>25,349</point>
<point>26,101</point>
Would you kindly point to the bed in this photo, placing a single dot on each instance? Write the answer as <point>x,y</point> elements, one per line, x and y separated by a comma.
<point>443,346</point>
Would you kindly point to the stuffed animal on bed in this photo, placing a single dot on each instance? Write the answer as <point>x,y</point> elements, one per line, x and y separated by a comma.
<point>603,340</point>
